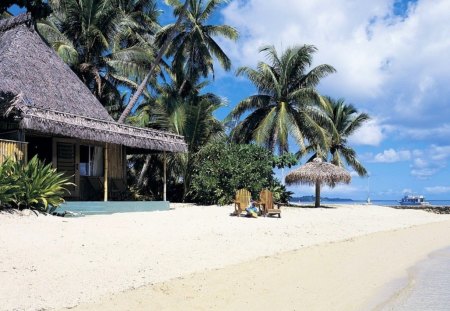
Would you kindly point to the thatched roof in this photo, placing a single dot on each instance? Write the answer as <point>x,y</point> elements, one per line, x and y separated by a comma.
<point>318,171</point>
<point>49,97</point>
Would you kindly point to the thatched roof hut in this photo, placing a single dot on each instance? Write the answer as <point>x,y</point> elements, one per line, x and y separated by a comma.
<point>316,173</point>
<point>44,105</point>
<point>49,98</point>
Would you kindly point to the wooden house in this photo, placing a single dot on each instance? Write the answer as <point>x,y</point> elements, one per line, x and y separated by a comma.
<point>45,110</point>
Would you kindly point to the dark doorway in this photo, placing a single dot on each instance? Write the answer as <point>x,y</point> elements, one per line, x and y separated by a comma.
<point>40,146</point>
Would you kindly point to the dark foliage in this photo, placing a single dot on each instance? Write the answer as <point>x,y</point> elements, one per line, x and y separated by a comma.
<point>223,168</point>
<point>37,8</point>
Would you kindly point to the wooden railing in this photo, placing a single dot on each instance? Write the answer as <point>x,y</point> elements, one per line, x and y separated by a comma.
<point>13,149</point>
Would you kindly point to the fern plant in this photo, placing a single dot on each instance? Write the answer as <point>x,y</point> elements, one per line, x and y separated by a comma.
<point>40,186</point>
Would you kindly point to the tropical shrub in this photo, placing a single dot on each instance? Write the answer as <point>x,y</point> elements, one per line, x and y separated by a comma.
<point>222,168</point>
<point>40,186</point>
<point>8,186</point>
<point>287,159</point>
<point>280,194</point>
<point>33,185</point>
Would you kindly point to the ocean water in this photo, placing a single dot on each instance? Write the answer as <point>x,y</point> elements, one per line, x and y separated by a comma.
<point>378,202</point>
<point>427,287</point>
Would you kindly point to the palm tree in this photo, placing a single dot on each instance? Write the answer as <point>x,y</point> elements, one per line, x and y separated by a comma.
<point>106,42</point>
<point>287,103</point>
<point>345,121</point>
<point>191,116</point>
<point>191,45</point>
<point>194,45</point>
<point>155,63</point>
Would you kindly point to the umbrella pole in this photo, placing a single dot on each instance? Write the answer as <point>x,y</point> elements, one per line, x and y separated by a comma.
<point>317,193</point>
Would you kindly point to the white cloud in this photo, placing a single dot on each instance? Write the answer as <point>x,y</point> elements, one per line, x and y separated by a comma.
<point>439,153</point>
<point>424,173</point>
<point>407,191</point>
<point>438,189</point>
<point>395,67</point>
<point>424,163</point>
<point>429,161</point>
<point>440,132</point>
<point>391,156</point>
<point>370,133</point>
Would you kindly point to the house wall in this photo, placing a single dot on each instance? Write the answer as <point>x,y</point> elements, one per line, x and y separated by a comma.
<point>116,156</point>
<point>9,148</point>
<point>116,159</point>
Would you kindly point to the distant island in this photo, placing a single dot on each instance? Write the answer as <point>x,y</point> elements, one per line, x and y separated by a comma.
<point>311,198</point>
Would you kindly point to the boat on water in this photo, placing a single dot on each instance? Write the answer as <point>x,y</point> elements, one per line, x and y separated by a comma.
<point>413,200</point>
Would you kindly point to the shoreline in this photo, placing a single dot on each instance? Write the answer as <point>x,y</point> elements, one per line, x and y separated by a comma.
<point>66,262</point>
<point>344,275</point>
<point>425,287</point>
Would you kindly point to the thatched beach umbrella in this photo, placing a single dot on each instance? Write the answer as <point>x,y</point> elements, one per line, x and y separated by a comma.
<point>316,173</point>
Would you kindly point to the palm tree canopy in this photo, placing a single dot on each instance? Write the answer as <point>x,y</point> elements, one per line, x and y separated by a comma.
<point>191,116</point>
<point>194,46</point>
<point>346,120</point>
<point>287,102</point>
<point>106,42</point>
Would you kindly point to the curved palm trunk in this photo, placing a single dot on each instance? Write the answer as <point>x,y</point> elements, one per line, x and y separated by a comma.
<point>155,63</point>
<point>144,170</point>
<point>143,84</point>
<point>317,194</point>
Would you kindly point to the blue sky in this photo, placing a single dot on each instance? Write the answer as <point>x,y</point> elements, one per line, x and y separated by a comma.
<point>392,62</point>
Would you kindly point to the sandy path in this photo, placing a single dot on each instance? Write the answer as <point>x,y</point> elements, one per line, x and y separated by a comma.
<point>50,262</point>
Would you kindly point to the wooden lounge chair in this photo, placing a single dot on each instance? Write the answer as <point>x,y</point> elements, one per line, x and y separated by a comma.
<point>266,204</point>
<point>242,201</point>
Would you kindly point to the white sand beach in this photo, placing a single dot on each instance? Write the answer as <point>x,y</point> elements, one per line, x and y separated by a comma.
<point>200,258</point>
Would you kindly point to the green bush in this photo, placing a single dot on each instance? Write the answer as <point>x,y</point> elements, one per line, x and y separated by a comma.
<point>36,185</point>
<point>221,168</point>
<point>8,182</point>
<point>280,194</point>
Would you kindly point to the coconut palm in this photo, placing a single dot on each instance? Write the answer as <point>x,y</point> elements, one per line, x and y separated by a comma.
<point>194,45</point>
<point>287,103</point>
<point>191,116</point>
<point>345,121</point>
<point>106,42</point>
<point>181,9</point>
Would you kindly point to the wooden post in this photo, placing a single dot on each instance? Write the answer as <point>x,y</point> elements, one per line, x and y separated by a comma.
<point>317,194</point>
<point>165,177</point>
<point>105,185</point>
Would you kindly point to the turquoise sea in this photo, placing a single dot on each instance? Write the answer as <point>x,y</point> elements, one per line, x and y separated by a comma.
<point>427,286</point>
<point>377,202</point>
